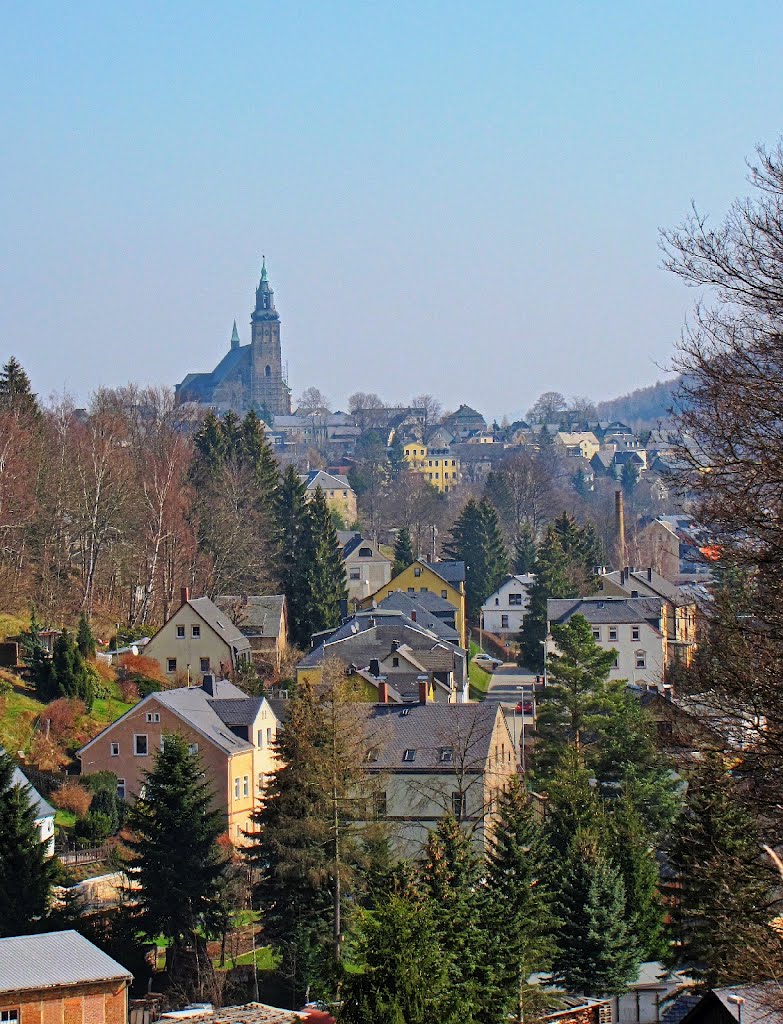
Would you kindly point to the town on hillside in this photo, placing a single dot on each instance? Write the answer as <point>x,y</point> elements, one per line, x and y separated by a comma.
<point>398,713</point>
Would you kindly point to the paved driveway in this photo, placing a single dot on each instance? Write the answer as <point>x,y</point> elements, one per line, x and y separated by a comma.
<point>508,685</point>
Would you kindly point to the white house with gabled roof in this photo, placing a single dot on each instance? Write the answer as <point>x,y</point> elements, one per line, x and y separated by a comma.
<point>504,611</point>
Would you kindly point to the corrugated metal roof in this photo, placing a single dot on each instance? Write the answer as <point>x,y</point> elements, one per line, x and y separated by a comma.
<point>54,959</point>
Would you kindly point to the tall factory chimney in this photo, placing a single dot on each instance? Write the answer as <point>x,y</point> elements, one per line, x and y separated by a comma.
<point>619,522</point>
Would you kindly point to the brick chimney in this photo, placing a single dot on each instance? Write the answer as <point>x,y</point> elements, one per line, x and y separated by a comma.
<point>383,691</point>
<point>424,691</point>
<point>184,595</point>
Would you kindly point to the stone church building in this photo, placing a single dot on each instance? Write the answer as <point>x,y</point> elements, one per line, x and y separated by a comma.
<point>248,376</point>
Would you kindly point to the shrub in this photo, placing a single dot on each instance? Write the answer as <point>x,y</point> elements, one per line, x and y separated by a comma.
<point>47,754</point>
<point>94,828</point>
<point>72,797</point>
<point>129,690</point>
<point>62,715</point>
<point>138,667</point>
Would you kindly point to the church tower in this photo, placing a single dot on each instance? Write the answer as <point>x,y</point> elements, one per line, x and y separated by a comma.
<point>268,386</point>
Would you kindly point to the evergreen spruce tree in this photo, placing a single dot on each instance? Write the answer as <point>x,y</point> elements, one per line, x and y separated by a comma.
<point>597,954</point>
<point>26,873</point>
<point>724,896</point>
<point>404,977</point>
<point>293,521</point>
<point>572,709</point>
<point>496,555</point>
<point>403,551</point>
<point>177,861</point>
<point>524,551</point>
<point>39,664</point>
<point>85,640</point>
<point>573,803</point>
<point>69,671</point>
<point>634,854</point>
<point>256,452</point>
<point>476,540</point>
<point>16,394</point>
<point>449,874</point>
<point>325,578</point>
<point>552,581</point>
<point>518,907</point>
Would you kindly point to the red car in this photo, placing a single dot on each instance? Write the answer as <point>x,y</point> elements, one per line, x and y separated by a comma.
<point>525,707</point>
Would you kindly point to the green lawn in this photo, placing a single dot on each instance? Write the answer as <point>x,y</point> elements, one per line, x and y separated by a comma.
<point>266,959</point>
<point>18,712</point>
<point>108,709</point>
<point>479,678</point>
<point>65,819</point>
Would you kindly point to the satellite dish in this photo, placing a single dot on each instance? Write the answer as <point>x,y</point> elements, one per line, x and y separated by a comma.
<point>135,651</point>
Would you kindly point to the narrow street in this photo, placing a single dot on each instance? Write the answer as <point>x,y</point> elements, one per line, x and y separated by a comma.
<point>508,686</point>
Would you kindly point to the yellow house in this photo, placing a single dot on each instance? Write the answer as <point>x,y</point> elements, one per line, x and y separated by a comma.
<point>233,734</point>
<point>438,466</point>
<point>340,496</point>
<point>446,579</point>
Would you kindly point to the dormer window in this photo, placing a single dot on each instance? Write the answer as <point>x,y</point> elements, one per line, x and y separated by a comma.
<point>409,755</point>
<point>365,552</point>
<point>447,755</point>
<point>372,755</point>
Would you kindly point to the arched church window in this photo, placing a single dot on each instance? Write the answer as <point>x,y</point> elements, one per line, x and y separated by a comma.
<point>268,371</point>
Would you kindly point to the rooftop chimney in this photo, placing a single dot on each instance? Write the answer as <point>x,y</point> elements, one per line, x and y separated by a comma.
<point>395,645</point>
<point>413,615</point>
<point>375,667</point>
<point>424,691</point>
<point>649,575</point>
<point>383,691</point>
<point>208,684</point>
<point>184,595</point>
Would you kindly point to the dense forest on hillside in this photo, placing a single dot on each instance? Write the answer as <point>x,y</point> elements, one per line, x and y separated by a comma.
<point>642,408</point>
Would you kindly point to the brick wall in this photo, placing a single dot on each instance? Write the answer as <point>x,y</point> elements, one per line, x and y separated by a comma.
<point>104,1003</point>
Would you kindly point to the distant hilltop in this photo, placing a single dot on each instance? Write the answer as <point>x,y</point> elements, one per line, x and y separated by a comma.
<point>642,408</point>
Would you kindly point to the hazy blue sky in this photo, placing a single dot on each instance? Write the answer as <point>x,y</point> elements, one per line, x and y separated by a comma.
<point>457,198</point>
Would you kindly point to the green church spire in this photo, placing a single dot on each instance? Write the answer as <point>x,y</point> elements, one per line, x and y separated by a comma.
<point>235,336</point>
<point>263,268</point>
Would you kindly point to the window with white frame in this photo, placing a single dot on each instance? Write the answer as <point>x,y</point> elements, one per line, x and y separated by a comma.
<point>171,664</point>
<point>417,571</point>
<point>504,621</point>
<point>596,633</point>
<point>236,788</point>
<point>612,633</point>
<point>195,632</point>
<point>635,632</point>
<point>246,785</point>
<point>260,739</point>
<point>115,750</point>
<point>641,659</point>
<point>121,788</point>
<point>515,599</point>
<point>204,664</point>
<point>9,1016</point>
<point>261,782</point>
<point>140,744</point>
<point>180,632</point>
<point>153,716</point>
<point>269,736</point>
<point>458,804</point>
<point>192,748</point>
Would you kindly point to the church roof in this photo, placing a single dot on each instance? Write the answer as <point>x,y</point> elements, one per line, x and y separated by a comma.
<point>200,386</point>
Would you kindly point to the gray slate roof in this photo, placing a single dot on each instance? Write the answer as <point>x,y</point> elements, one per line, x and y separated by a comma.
<point>54,959</point>
<point>237,712</point>
<point>220,622</point>
<point>652,581</point>
<point>195,706</point>
<point>357,642</point>
<point>43,809</point>
<point>424,611</point>
<point>428,729</point>
<point>256,614</point>
<point>606,609</point>
<point>452,572</point>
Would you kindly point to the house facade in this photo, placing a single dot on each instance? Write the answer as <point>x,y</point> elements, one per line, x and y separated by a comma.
<point>445,579</point>
<point>198,640</point>
<point>633,627</point>
<point>340,496</point>
<point>439,466</point>
<point>504,611</point>
<point>433,760</point>
<point>233,734</point>
<point>60,978</point>
<point>263,619</point>
<point>367,569</point>
<point>680,609</point>
<point>44,812</point>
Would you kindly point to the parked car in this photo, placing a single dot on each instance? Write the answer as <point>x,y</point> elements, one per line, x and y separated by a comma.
<point>526,707</point>
<point>488,660</point>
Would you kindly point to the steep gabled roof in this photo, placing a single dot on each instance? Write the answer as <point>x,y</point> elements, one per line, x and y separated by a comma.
<point>451,572</point>
<point>257,614</point>
<point>220,623</point>
<point>606,610</point>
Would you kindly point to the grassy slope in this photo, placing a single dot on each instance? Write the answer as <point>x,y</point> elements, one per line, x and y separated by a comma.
<point>479,679</point>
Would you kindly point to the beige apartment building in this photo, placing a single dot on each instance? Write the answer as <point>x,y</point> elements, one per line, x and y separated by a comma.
<point>233,734</point>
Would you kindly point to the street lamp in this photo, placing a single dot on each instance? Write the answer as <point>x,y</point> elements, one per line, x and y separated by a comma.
<point>544,645</point>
